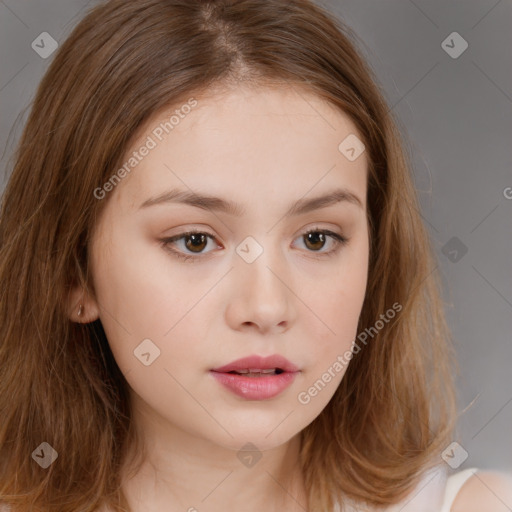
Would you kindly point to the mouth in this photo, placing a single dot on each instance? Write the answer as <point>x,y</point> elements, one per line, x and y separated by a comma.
<point>256,372</point>
<point>255,366</point>
<point>255,377</point>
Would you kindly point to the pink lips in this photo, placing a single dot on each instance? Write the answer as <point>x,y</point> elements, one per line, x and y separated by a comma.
<point>262,363</point>
<point>256,387</point>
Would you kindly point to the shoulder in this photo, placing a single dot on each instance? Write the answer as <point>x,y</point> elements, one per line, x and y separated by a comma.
<point>487,490</point>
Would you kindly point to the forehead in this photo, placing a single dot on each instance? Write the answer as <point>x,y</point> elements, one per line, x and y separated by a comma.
<point>246,142</point>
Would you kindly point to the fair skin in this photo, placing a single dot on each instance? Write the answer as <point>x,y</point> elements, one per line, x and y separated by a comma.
<point>264,149</point>
<point>486,491</point>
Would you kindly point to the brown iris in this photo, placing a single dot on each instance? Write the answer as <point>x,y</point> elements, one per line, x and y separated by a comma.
<point>198,240</point>
<point>315,237</point>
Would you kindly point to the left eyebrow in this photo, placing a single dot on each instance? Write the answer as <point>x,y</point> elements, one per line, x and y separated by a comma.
<point>207,202</point>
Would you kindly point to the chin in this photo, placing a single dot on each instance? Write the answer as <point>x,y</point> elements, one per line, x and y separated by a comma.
<point>260,438</point>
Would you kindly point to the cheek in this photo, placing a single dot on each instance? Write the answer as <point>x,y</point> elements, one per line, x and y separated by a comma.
<point>135,283</point>
<point>339,297</point>
<point>344,308</point>
<point>140,296</point>
<point>333,340</point>
<point>337,307</point>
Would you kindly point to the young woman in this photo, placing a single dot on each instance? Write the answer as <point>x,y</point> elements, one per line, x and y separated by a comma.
<point>216,288</point>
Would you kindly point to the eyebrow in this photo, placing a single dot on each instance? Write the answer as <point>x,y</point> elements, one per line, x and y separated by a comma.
<point>207,202</point>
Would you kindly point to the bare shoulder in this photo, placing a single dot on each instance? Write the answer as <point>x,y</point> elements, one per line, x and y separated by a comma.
<point>486,490</point>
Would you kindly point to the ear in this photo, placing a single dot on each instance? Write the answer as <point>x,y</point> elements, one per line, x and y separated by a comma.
<point>89,307</point>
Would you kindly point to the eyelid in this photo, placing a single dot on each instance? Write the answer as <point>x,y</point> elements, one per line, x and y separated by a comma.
<point>339,242</point>
<point>183,256</point>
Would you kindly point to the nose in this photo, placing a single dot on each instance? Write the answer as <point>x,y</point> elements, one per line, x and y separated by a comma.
<point>262,295</point>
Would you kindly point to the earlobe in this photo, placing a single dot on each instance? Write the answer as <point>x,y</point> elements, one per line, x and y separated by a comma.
<point>82,308</point>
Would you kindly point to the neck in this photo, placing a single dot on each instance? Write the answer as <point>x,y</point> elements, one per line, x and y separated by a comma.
<point>186,472</point>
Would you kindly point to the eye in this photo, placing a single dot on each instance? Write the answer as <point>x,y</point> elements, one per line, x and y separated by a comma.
<point>196,241</point>
<point>316,238</point>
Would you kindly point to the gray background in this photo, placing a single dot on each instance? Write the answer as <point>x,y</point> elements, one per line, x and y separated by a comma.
<point>456,116</point>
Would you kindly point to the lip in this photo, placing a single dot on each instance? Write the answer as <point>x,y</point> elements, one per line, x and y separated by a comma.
<point>262,363</point>
<point>256,388</point>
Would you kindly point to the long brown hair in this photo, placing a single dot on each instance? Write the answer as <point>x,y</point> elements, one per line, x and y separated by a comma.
<point>393,412</point>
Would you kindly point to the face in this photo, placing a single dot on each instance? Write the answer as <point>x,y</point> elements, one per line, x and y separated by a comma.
<point>251,281</point>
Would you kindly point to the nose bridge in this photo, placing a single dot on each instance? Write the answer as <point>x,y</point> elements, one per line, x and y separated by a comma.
<point>263,275</point>
<point>262,259</point>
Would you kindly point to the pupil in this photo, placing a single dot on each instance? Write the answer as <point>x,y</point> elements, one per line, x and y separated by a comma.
<point>315,236</point>
<point>196,238</point>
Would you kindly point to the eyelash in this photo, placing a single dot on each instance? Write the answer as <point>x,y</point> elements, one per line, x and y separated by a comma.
<point>340,241</point>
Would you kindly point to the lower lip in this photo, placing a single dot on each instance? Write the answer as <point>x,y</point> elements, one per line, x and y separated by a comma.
<point>255,388</point>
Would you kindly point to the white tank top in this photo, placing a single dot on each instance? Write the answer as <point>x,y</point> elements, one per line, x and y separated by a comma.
<point>435,493</point>
<point>453,486</point>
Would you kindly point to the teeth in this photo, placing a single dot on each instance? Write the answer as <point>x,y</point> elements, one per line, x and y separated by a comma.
<point>256,372</point>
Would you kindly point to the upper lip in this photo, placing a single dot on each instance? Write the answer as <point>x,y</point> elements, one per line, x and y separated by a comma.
<point>255,362</point>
